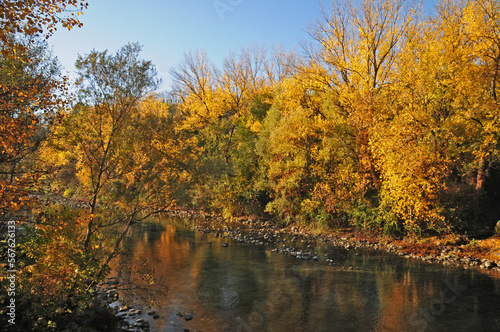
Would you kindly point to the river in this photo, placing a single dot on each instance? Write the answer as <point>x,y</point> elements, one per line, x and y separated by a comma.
<point>173,269</point>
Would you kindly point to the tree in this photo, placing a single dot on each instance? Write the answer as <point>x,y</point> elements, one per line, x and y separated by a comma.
<point>217,108</point>
<point>30,87</point>
<point>36,17</point>
<point>98,130</point>
<point>439,137</point>
<point>31,92</point>
<point>359,46</point>
<point>481,23</point>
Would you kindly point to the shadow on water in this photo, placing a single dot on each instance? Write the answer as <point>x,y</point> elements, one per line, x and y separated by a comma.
<point>249,288</point>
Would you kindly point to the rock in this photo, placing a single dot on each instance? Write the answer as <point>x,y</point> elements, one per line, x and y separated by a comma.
<point>225,244</point>
<point>188,316</point>
<point>497,228</point>
<point>151,313</point>
<point>112,296</point>
<point>489,264</point>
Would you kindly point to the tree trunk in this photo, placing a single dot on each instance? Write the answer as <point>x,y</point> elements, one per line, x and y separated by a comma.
<point>481,174</point>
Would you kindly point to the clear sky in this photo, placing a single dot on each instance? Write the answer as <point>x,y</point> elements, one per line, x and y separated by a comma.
<point>168,28</point>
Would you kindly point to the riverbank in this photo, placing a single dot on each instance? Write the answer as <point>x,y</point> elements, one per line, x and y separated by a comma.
<point>129,318</point>
<point>483,254</point>
<point>450,250</point>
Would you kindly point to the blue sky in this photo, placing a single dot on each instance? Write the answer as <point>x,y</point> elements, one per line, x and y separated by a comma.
<point>168,28</point>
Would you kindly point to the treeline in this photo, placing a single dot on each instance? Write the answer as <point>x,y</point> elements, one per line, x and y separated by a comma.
<point>387,121</point>
<point>390,121</point>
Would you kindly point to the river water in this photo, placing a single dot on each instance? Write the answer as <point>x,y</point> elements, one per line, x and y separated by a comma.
<point>173,269</point>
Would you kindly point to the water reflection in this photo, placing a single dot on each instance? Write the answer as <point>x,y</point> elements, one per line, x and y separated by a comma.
<point>249,288</point>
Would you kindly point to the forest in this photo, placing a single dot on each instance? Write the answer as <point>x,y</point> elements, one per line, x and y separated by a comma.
<point>387,121</point>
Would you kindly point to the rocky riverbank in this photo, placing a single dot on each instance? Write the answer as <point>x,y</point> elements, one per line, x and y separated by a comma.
<point>130,319</point>
<point>483,255</point>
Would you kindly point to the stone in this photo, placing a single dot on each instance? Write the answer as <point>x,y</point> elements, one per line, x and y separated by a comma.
<point>225,244</point>
<point>489,264</point>
<point>156,316</point>
<point>188,316</point>
<point>497,228</point>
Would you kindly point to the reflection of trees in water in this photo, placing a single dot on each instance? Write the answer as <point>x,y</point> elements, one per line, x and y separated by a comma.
<point>137,273</point>
<point>227,288</point>
<point>141,284</point>
<point>225,284</point>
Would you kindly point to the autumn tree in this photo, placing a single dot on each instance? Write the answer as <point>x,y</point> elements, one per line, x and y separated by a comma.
<point>224,109</point>
<point>98,130</point>
<point>481,23</point>
<point>288,146</point>
<point>359,47</point>
<point>160,160</point>
<point>30,86</point>
<point>36,17</point>
<point>358,51</point>
<point>31,93</point>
